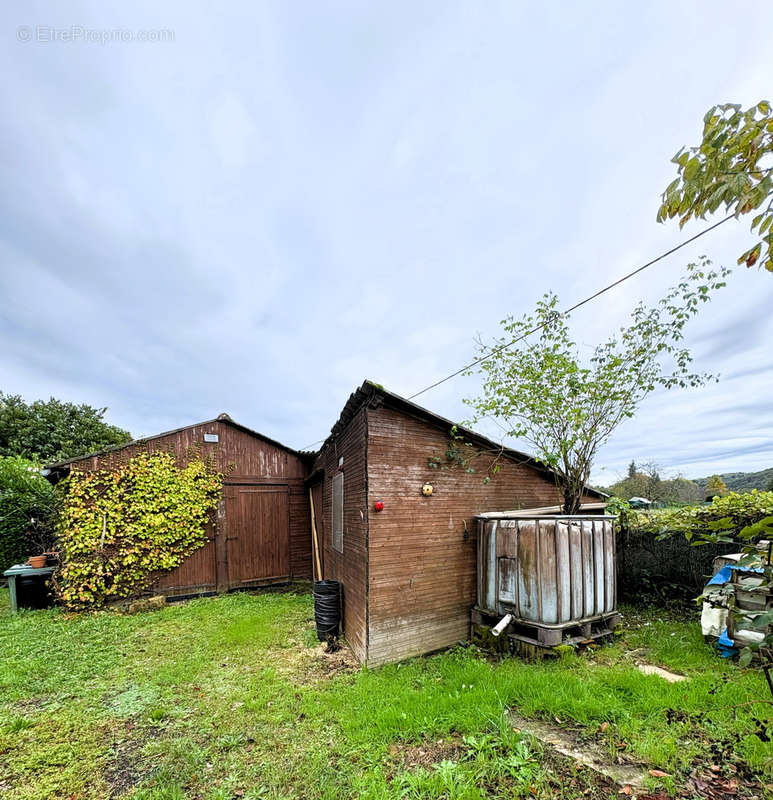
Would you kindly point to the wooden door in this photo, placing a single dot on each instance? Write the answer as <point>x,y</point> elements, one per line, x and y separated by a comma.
<point>258,540</point>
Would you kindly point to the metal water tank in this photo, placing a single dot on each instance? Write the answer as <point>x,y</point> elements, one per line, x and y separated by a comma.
<point>554,575</point>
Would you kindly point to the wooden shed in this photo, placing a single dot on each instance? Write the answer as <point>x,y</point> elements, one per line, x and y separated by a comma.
<point>262,532</point>
<point>409,570</point>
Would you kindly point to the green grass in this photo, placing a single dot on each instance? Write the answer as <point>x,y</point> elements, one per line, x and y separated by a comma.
<point>230,697</point>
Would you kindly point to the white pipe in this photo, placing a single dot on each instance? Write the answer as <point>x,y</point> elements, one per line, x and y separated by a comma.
<point>502,624</point>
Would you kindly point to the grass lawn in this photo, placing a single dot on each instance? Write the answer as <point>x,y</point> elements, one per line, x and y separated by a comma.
<point>231,697</point>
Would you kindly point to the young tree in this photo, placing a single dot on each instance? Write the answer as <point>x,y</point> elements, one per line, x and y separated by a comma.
<point>681,490</point>
<point>564,408</point>
<point>732,168</point>
<point>646,482</point>
<point>52,430</point>
<point>715,487</point>
<point>643,480</point>
<point>653,485</point>
<point>630,486</point>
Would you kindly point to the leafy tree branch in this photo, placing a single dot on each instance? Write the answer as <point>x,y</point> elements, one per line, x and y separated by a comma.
<point>730,168</point>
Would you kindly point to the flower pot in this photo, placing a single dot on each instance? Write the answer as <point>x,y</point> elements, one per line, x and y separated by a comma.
<point>37,561</point>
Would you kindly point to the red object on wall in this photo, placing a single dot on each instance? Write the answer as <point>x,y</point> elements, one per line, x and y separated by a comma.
<point>378,505</point>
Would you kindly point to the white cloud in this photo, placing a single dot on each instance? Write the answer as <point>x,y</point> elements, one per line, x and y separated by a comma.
<point>234,134</point>
<point>281,202</point>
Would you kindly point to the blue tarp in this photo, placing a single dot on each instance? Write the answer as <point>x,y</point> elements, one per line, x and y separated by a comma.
<point>725,644</point>
<point>723,576</point>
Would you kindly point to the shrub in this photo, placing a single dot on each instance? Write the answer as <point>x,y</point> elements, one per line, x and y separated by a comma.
<point>731,514</point>
<point>28,510</point>
<point>120,527</point>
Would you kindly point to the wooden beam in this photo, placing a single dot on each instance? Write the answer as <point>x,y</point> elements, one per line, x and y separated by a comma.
<point>315,543</point>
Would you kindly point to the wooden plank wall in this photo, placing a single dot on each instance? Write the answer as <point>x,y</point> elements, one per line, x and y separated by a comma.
<point>422,572</point>
<point>243,458</point>
<point>249,460</point>
<point>349,567</point>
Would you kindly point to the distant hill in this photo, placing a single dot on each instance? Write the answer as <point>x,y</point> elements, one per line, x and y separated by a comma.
<point>743,481</point>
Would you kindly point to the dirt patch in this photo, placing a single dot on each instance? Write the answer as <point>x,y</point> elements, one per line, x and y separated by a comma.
<point>568,778</point>
<point>564,776</point>
<point>410,756</point>
<point>716,782</point>
<point>337,661</point>
<point>124,768</point>
<point>30,706</point>
<point>5,784</point>
<point>306,661</point>
<point>318,663</point>
<point>583,751</point>
<point>572,755</point>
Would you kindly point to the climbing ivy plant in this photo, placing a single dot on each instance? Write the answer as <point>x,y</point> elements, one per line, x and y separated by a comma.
<point>120,527</point>
<point>462,454</point>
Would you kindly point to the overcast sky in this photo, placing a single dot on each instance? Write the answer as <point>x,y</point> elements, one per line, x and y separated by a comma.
<point>272,202</point>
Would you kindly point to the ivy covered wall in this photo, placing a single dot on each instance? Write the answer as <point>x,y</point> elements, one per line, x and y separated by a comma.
<point>119,527</point>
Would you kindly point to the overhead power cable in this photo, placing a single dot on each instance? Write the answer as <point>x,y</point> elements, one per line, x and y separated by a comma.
<point>636,271</point>
<point>607,288</point>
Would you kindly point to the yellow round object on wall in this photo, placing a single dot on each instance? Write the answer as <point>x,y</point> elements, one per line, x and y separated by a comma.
<point>426,490</point>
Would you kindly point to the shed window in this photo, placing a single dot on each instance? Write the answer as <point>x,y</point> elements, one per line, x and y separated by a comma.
<point>338,512</point>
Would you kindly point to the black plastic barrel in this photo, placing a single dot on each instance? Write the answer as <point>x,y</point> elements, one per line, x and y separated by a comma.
<point>327,608</point>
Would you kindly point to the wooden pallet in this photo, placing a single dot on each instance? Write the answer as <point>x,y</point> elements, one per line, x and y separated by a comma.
<point>548,636</point>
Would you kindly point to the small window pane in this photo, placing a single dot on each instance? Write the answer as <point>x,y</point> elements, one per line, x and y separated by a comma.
<point>338,512</point>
